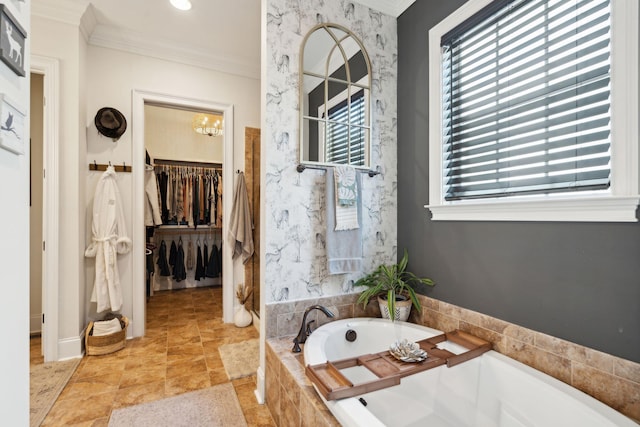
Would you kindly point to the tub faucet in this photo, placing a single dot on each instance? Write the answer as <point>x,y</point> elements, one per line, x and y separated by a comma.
<point>305,328</point>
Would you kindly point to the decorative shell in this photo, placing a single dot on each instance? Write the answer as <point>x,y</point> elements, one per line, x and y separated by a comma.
<point>407,351</point>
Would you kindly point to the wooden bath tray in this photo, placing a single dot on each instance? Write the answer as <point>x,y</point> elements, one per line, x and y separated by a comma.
<point>332,384</point>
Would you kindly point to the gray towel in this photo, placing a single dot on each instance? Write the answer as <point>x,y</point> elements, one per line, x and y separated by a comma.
<point>344,248</point>
<point>240,229</point>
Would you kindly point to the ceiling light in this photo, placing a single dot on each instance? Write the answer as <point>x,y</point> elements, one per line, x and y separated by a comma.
<point>181,4</point>
<point>207,124</point>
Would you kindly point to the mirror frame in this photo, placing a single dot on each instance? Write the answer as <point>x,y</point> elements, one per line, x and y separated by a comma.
<point>328,27</point>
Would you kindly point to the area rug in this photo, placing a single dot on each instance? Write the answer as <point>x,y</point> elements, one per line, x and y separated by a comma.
<point>211,407</point>
<point>46,382</point>
<point>240,359</point>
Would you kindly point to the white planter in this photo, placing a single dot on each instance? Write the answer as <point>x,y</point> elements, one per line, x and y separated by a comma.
<point>403,309</point>
<point>242,317</point>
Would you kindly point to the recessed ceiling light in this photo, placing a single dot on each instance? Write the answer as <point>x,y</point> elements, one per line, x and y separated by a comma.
<point>181,4</point>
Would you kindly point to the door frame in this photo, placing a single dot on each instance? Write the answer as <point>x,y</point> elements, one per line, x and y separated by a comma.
<point>50,69</point>
<point>139,99</point>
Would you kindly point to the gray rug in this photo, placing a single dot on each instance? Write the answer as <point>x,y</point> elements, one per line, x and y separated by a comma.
<point>46,382</point>
<point>240,359</point>
<point>211,407</point>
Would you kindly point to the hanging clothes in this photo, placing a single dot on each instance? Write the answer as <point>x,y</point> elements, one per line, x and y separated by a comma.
<point>170,198</point>
<point>205,260</point>
<point>201,198</point>
<point>179,197</point>
<point>109,239</point>
<point>196,201</point>
<point>213,269</point>
<point>214,198</point>
<point>199,264</point>
<point>152,213</point>
<point>163,179</point>
<point>219,202</point>
<point>162,260</point>
<point>179,272</point>
<point>189,202</point>
<point>173,252</point>
<point>190,256</point>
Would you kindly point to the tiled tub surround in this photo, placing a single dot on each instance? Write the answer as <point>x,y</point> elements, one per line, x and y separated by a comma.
<point>610,379</point>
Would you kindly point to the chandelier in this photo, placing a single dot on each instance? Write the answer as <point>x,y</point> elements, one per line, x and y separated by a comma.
<point>207,124</point>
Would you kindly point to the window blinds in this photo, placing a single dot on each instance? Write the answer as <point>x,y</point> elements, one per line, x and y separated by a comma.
<point>526,104</point>
<point>345,144</point>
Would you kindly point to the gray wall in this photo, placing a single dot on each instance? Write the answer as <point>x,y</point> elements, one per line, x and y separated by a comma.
<point>576,281</point>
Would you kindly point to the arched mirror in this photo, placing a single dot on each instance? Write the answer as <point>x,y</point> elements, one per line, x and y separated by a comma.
<point>335,113</point>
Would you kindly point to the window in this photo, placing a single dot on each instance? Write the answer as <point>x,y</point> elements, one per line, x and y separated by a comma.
<point>527,125</point>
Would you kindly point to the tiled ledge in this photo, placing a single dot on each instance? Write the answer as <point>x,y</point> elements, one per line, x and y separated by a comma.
<point>610,379</point>
<point>291,398</point>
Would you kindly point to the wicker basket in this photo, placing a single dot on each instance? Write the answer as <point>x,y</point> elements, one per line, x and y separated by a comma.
<point>105,344</point>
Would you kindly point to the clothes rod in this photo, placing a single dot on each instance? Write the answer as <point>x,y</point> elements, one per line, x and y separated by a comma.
<point>300,168</point>
<point>102,167</point>
<point>202,229</point>
<point>166,162</point>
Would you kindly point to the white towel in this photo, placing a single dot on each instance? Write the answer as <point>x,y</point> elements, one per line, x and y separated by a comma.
<point>106,327</point>
<point>344,248</point>
<point>346,195</point>
<point>240,229</point>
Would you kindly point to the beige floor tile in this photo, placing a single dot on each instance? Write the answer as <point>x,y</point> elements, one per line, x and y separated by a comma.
<point>184,384</point>
<point>178,354</point>
<point>138,394</point>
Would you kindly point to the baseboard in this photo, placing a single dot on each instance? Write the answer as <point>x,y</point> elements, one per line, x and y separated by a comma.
<point>260,390</point>
<point>70,348</point>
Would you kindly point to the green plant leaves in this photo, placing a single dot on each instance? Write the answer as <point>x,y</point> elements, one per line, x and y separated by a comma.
<point>392,280</point>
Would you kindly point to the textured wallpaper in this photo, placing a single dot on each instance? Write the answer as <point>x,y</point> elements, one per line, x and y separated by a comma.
<point>295,256</point>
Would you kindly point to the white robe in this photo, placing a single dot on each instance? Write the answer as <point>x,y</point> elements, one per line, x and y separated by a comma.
<point>109,239</point>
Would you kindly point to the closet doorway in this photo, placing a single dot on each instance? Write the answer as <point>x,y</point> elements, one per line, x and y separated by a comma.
<point>44,313</point>
<point>208,159</point>
<point>184,230</point>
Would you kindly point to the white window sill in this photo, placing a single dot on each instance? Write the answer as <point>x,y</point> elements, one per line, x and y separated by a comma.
<point>593,209</point>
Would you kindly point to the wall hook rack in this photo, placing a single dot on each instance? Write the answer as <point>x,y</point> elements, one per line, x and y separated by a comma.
<point>103,167</point>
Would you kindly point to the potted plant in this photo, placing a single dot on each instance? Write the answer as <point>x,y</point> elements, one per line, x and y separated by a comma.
<point>393,286</point>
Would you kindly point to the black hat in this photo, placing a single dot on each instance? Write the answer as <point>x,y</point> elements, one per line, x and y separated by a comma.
<point>110,122</point>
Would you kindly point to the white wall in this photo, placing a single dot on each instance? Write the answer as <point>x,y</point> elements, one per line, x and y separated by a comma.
<point>112,76</point>
<point>168,134</point>
<point>63,41</point>
<point>14,250</point>
<point>91,78</point>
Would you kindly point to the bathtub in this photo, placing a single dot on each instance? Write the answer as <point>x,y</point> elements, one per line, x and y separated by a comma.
<point>490,390</point>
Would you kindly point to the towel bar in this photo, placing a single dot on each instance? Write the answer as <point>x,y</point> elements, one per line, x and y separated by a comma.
<point>300,168</point>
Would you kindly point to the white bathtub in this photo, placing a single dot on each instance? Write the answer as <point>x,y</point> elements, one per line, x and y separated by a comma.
<point>491,390</point>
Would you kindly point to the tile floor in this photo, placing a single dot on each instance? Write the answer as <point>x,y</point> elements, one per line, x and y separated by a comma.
<point>178,354</point>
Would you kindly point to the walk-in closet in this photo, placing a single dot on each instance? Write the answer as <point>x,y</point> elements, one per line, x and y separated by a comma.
<point>183,198</point>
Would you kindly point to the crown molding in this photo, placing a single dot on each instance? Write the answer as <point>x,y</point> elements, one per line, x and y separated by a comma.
<point>66,11</point>
<point>389,7</point>
<point>132,42</point>
<point>88,23</point>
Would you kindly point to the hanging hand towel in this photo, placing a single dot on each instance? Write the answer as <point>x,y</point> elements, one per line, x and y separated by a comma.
<point>240,230</point>
<point>346,198</point>
<point>344,248</point>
